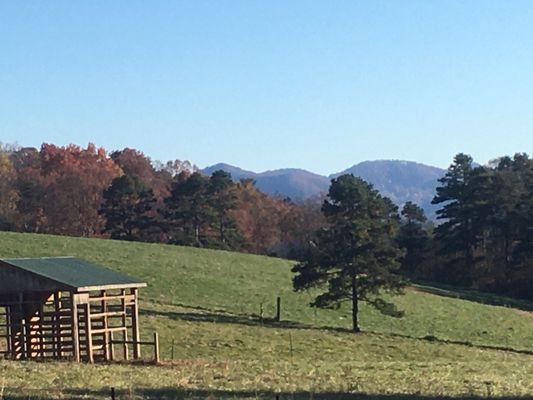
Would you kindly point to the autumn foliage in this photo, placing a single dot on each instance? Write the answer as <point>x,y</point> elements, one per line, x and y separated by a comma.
<point>78,191</point>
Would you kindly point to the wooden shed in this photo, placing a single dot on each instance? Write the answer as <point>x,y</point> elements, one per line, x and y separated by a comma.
<point>67,308</point>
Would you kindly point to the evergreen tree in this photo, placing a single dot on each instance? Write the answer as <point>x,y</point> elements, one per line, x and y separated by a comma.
<point>127,208</point>
<point>414,238</point>
<point>188,209</point>
<point>223,200</point>
<point>456,233</point>
<point>503,221</point>
<point>522,278</point>
<point>356,256</point>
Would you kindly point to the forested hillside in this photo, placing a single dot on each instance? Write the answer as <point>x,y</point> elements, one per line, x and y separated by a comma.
<point>483,239</point>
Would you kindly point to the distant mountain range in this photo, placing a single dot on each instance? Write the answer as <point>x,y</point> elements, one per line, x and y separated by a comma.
<point>402,181</point>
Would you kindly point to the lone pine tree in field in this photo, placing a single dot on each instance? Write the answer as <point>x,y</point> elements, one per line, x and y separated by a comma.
<point>356,256</point>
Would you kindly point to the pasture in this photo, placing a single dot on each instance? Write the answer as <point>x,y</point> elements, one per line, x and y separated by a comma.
<point>207,305</point>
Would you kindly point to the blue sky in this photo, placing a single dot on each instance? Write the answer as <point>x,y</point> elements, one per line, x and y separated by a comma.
<point>315,84</point>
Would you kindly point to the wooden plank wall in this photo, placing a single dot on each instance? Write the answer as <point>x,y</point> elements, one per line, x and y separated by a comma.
<point>5,342</point>
<point>78,326</point>
<point>39,328</point>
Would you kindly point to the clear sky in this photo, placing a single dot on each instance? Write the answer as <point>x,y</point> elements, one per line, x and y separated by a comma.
<point>266,84</point>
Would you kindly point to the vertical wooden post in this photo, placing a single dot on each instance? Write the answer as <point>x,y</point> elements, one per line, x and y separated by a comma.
<point>124,324</point>
<point>56,321</point>
<point>8,331</point>
<point>88,332</point>
<point>22,329</point>
<point>111,348</point>
<point>40,327</point>
<point>23,337</point>
<point>290,346</point>
<point>75,326</point>
<point>105,323</point>
<point>135,324</point>
<point>278,309</point>
<point>156,348</point>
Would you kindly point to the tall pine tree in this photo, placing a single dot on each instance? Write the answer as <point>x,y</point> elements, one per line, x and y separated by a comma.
<point>414,239</point>
<point>188,210</point>
<point>223,200</point>
<point>356,256</point>
<point>456,233</point>
<point>127,208</point>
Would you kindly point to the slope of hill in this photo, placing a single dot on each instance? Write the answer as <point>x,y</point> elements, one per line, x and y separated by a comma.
<point>205,304</point>
<point>402,181</point>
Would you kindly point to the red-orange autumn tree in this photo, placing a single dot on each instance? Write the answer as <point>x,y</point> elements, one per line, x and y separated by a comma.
<point>61,188</point>
<point>135,163</point>
<point>258,218</point>
<point>30,184</point>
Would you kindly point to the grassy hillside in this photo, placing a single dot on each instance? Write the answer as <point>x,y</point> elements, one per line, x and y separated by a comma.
<point>207,302</point>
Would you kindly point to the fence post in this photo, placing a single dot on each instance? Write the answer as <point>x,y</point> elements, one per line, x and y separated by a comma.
<point>278,309</point>
<point>156,347</point>
<point>111,347</point>
<point>290,347</point>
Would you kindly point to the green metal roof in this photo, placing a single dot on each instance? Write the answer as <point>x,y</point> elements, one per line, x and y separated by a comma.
<point>74,272</point>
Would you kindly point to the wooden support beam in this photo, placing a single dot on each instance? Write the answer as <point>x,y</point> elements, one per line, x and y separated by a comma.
<point>156,348</point>
<point>111,347</point>
<point>56,331</point>
<point>107,315</point>
<point>105,324</point>
<point>40,329</point>
<point>126,297</point>
<point>88,333</point>
<point>8,330</point>
<point>135,324</point>
<point>106,330</point>
<point>75,326</point>
<point>125,349</point>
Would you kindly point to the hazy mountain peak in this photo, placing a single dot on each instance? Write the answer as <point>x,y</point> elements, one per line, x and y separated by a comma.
<point>400,180</point>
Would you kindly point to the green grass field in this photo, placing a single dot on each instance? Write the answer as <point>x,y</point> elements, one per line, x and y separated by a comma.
<point>207,303</point>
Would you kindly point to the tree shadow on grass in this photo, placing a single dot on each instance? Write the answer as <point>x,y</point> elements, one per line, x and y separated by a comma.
<point>197,394</point>
<point>254,320</point>
<point>473,295</point>
<point>430,338</point>
<point>226,318</point>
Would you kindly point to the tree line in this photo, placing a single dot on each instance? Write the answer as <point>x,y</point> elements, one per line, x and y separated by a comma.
<point>483,237</point>
<point>366,248</point>
<point>354,241</point>
<point>70,190</point>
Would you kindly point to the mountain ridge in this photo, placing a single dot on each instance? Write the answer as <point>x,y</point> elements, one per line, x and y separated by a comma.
<point>400,180</point>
